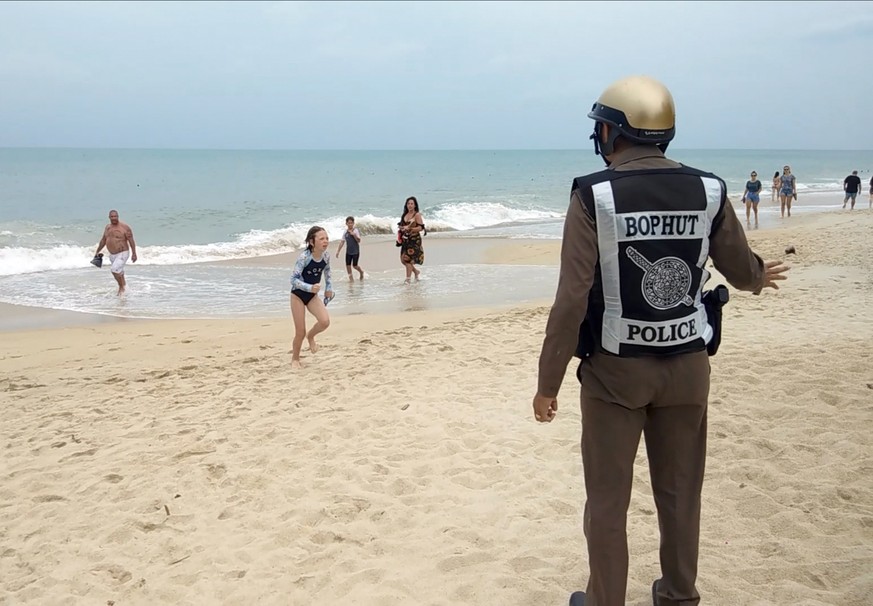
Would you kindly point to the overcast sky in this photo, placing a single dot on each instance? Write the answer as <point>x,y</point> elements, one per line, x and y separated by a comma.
<point>427,75</point>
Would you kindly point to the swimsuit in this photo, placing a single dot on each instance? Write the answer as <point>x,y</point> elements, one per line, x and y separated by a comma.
<point>353,247</point>
<point>307,273</point>
<point>752,189</point>
<point>118,260</point>
<point>787,185</point>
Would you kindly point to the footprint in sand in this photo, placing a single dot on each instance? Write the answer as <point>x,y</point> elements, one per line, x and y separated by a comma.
<point>48,498</point>
<point>216,472</point>
<point>117,573</point>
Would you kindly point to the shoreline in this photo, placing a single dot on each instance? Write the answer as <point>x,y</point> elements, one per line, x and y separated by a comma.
<point>379,255</point>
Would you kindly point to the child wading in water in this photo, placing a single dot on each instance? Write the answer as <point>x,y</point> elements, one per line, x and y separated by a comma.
<point>352,238</point>
<point>305,286</point>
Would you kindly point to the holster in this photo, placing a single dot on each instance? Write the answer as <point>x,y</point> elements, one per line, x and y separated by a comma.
<point>713,300</point>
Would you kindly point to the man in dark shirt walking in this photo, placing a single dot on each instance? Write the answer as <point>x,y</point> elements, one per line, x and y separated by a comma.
<point>852,187</point>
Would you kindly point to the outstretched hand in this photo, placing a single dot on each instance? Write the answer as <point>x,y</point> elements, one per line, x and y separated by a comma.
<point>773,272</point>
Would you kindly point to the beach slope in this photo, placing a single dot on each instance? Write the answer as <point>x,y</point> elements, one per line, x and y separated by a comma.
<point>183,462</point>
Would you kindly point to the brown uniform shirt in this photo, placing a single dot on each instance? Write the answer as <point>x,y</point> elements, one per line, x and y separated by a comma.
<point>728,249</point>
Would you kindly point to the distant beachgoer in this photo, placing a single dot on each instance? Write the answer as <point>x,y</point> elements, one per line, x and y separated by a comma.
<point>787,190</point>
<point>777,183</point>
<point>871,192</point>
<point>118,240</point>
<point>305,286</point>
<point>752,196</point>
<point>411,229</point>
<point>352,238</point>
<point>852,187</point>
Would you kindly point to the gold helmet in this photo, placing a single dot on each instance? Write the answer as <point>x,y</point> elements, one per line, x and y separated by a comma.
<point>638,108</point>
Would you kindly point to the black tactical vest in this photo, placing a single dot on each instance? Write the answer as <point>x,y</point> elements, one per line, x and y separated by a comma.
<point>653,230</point>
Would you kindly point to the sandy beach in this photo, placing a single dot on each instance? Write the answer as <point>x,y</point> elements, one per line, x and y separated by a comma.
<point>183,462</point>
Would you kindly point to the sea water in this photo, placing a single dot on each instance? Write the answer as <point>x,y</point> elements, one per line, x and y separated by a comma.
<point>192,208</point>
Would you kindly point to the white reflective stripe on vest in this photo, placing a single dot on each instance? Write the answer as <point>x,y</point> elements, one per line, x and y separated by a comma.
<point>713,203</point>
<point>607,242</point>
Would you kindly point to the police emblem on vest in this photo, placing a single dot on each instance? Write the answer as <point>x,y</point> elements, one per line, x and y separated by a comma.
<point>653,230</point>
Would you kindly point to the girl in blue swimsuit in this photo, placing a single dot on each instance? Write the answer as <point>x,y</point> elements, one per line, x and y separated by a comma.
<point>305,286</point>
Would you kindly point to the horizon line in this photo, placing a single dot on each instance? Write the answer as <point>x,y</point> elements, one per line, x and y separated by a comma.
<point>419,149</point>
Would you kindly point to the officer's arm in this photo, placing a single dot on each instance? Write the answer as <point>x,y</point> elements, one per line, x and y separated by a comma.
<point>578,261</point>
<point>731,254</point>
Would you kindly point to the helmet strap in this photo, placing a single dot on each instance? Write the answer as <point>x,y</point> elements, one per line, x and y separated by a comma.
<point>602,148</point>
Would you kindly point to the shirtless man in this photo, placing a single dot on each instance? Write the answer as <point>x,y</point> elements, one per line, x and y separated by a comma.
<point>118,240</point>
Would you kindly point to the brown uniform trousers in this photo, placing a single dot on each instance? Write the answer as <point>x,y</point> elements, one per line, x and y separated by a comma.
<point>665,399</point>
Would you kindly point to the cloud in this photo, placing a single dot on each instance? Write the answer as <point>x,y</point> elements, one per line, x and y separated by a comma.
<point>841,30</point>
<point>424,74</point>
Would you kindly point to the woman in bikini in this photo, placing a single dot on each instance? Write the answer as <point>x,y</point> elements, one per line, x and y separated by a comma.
<point>305,286</point>
<point>777,183</point>
<point>411,229</point>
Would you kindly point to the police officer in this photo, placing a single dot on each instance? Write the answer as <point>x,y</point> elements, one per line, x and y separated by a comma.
<point>636,240</point>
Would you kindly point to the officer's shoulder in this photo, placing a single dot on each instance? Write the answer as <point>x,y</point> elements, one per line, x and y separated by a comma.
<point>592,178</point>
<point>700,173</point>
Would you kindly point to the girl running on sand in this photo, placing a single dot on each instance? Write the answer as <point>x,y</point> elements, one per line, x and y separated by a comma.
<point>305,286</point>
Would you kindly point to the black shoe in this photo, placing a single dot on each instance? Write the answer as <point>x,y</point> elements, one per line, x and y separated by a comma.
<point>577,598</point>
<point>655,593</point>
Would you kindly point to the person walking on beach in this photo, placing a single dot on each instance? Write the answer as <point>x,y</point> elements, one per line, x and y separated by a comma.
<point>777,183</point>
<point>352,240</point>
<point>118,240</point>
<point>787,190</point>
<point>751,196</point>
<point>305,286</point>
<point>852,187</point>
<point>636,240</point>
<point>411,229</point>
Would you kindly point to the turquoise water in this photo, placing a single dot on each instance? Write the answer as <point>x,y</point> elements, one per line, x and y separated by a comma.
<point>188,207</point>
